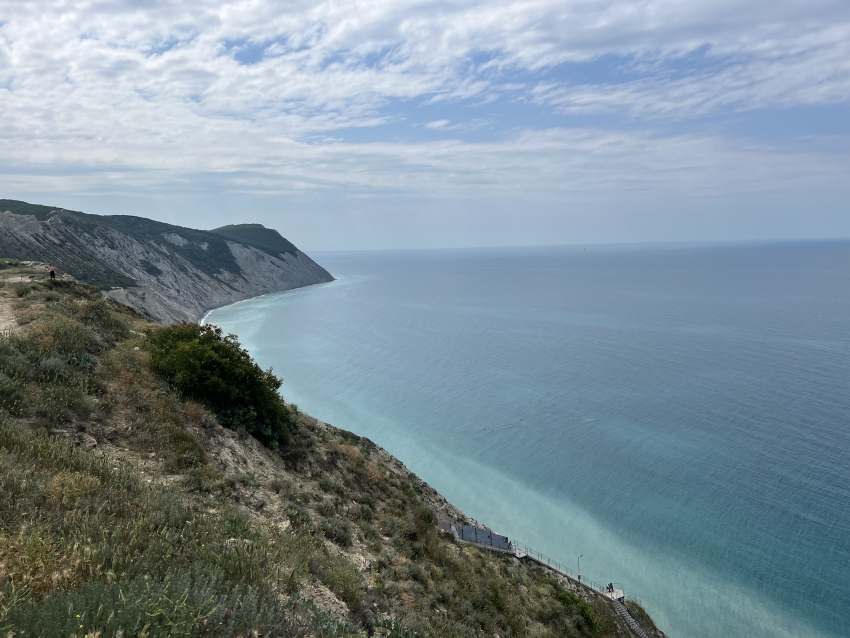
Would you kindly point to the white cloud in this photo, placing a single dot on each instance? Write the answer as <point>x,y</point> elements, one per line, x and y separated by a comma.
<point>329,65</point>
<point>817,75</point>
<point>125,95</point>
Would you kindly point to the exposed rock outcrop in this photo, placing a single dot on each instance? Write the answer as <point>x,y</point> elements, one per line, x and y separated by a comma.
<point>166,272</point>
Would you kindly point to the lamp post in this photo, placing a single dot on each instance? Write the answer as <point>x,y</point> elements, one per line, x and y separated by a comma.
<point>579,568</point>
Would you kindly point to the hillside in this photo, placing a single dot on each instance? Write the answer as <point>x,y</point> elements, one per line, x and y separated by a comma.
<point>126,509</point>
<point>167,272</point>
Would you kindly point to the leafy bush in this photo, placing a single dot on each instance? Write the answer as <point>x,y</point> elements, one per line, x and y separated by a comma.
<point>327,508</point>
<point>326,625</point>
<point>338,530</point>
<point>343,579</point>
<point>395,628</point>
<point>298,514</point>
<point>330,486</point>
<point>360,512</point>
<point>213,369</point>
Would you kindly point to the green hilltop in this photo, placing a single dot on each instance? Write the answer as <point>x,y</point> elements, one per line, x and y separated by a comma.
<point>266,239</point>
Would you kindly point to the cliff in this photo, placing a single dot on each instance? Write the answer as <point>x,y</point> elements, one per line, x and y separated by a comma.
<point>166,272</point>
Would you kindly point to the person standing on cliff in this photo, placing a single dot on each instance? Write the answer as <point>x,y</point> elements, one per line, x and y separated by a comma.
<point>52,271</point>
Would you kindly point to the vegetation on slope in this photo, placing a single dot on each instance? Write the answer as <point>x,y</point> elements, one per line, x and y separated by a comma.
<point>207,366</point>
<point>206,250</point>
<point>127,510</point>
<point>266,239</point>
<point>41,213</point>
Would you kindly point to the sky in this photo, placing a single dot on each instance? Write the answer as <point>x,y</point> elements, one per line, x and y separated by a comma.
<point>411,124</point>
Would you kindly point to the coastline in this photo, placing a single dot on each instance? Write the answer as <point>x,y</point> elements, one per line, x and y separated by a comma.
<point>452,511</point>
<point>202,321</point>
<point>339,530</point>
<point>373,358</point>
<point>449,514</point>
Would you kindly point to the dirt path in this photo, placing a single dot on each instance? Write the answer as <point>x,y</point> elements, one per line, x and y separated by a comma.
<point>7,318</point>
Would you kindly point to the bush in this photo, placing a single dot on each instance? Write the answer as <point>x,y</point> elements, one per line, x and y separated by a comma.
<point>343,579</point>
<point>297,514</point>
<point>185,604</point>
<point>327,508</point>
<point>60,402</point>
<point>338,530</point>
<point>213,369</point>
<point>12,396</point>
<point>569,599</point>
<point>330,486</point>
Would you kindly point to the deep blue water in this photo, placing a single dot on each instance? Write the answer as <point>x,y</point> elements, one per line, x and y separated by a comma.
<point>678,415</point>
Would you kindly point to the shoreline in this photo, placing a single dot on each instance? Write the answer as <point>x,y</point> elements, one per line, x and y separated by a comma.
<point>202,321</point>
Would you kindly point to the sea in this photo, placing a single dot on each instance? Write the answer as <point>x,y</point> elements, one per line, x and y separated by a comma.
<point>675,418</point>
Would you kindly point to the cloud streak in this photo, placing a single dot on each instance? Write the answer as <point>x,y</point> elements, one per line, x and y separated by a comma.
<point>109,94</point>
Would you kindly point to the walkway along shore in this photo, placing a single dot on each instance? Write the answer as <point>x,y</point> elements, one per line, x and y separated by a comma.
<point>496,543</point>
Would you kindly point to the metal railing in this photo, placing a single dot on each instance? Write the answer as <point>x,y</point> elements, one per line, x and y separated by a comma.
<point>516,549</point>
<point>558,567</point>
<point>638,621</point>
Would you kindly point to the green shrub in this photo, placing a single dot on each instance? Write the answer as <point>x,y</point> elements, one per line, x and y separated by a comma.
<point>60,402</point>
<point>369,531</point>
<point>12,396</point>
<point>394,628</point>
<point>360,512</point>
<point>82,361</point>
<point>213,369</point>
<point>297,513</point>
<point>22,290</point>
<point>570,599</point>
<point>330,486</point>
<point>343,579</point>
<point>337,530</point>
<point>281,486</point>
<point>325,625</point>
<point>327,508</point>
<point>185,604</point>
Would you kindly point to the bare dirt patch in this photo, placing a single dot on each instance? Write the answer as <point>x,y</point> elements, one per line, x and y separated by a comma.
<point>8,324</point>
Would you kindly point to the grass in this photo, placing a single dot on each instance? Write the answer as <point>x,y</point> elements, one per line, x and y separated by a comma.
<point>637,610</point>
<point>77,534</point>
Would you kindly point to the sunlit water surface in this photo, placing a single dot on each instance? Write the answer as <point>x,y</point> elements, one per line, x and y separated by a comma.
<point>678,415</point>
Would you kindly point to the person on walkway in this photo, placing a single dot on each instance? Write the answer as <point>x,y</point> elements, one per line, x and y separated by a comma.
<point>52,271</point>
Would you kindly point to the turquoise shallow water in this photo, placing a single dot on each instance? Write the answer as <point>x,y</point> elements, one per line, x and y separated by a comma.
<point>678,415</point>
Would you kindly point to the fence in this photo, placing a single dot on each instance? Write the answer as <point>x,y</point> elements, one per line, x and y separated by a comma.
<point>488,540</point>
<point>566,571</point>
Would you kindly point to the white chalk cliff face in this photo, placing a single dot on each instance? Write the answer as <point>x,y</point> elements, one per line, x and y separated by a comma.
<point>187,293</point>
<point>171,282</point>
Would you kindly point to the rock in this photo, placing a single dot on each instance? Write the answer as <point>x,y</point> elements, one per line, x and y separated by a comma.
<point>87,441</point>
<point>172,283</point>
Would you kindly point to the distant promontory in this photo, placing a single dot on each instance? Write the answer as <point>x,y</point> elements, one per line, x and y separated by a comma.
<point>166,272</point>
